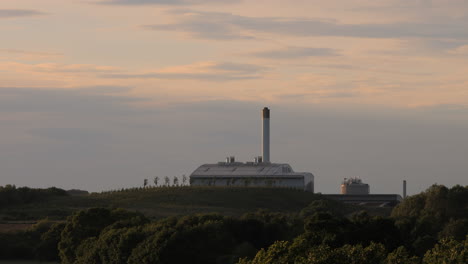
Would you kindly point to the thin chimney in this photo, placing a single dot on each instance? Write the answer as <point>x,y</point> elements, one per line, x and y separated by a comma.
<point>266,135</point>
<point>404,189</point>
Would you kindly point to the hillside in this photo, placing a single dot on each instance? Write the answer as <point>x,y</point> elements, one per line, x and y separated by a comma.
<point>168,201</point>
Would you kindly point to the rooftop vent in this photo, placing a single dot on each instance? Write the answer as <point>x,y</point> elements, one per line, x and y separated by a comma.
<point>230,159</point>
<point>258,159</point>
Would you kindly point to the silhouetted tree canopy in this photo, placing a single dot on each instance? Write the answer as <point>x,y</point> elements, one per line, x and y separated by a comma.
<point>10,195</point>
<point>428,228</point>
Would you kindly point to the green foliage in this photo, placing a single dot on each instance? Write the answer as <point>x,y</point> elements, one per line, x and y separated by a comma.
<point>208,239</point>
<point>455,228</point>
<point>27,244</point>
<point>332,230</point>
<point>448,251</point>
<point>357,254</point>
<point>439,212</point>
<point>299,228</point>
<point>161,202</point>
<point>281,252</point>
<point>10,195</point>
<point>89,224</point>
<point>47,248</point>
<point>14,245</point>
<point>332,207</point>
<point>401,256</point>
<point>276,253</point>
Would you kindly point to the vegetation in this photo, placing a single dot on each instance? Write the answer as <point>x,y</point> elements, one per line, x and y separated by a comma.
<point>427,228</point>
<point>10,195</point>
<point>160,202</point>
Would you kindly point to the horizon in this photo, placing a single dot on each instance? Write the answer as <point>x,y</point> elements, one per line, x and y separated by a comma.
<point>102,94</point>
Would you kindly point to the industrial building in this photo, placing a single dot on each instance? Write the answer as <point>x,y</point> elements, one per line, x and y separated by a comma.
<point>369,200</point>
<point>354,191</point>
<point>258,173</point>
<point>354,186</point>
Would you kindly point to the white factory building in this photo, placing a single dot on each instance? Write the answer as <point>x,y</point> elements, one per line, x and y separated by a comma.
<point>258,173</point>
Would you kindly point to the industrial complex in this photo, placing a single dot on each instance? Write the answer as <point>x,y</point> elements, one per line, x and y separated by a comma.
<point>261,172</point>
<point>258,173</point>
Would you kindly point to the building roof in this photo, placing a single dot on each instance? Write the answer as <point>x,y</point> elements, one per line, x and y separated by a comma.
<point>381,200</point>
<point>239,169</point>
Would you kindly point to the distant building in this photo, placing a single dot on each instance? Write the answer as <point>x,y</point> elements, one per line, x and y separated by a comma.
<point>354,191</point>
<point>368,200</point>
<point>259,173</point>
<point>354,186</point>
<point>251,174</point>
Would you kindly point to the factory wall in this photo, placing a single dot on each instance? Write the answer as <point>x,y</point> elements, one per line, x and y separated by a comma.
<point>296,182</point>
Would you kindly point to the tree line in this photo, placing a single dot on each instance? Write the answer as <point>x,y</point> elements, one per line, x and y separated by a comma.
<point>10,195</point>
<point>168,181</point>
<point>427,228</point>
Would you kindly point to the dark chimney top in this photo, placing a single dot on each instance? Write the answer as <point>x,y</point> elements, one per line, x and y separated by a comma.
<point>266,112</point>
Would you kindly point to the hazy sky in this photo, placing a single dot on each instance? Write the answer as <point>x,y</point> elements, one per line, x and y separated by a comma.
<point>100,94</point>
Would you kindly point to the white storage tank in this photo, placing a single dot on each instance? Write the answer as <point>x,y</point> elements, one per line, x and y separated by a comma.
<point>354,186</point>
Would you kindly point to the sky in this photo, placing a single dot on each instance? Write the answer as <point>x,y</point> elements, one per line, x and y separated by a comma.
<point>101,94</point>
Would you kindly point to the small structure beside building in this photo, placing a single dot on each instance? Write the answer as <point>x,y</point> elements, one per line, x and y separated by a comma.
<point>354,191</point>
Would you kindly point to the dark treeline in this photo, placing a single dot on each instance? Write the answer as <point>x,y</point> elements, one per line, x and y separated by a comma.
<point>427,228</point>
<point>10,195</point>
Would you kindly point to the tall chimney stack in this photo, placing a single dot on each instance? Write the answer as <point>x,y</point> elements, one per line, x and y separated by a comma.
<point>404,189</point>
<point>266,135</point>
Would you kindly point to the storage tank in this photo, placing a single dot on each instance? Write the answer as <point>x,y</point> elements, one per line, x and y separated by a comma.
<point>354,186</point>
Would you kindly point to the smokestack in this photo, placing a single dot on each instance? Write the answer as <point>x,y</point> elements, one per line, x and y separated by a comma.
<point>266,135</point>
<point>404,189</point>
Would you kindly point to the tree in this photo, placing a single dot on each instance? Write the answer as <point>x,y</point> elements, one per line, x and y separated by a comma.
<point>47,249</point>
<point>167,181</point>
<point>82,230</point>
<point>184,179</point>
<point>401,256</point>
<point>175,181</point>
<point>448,251</point>
<point>145,182</point>
<point>156,179</point>
<point>276,253</point>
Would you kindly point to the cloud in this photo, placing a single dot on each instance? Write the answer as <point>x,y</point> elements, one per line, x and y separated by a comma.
<point>461,50</point>
<point>11,13</point>
<point>86,100</point>
<point>32,55</point>
<point>163,2</point>
<point>225,26</point>
<point>203,30</point>
<point>57,68</point>
<point>295,53</point>
<point>445,109</point>
<point>205,71</point>
<point>74,68</point>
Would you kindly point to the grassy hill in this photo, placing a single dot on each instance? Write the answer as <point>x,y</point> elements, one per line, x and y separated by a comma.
<point>167,201</point>
<point>172,201</point>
